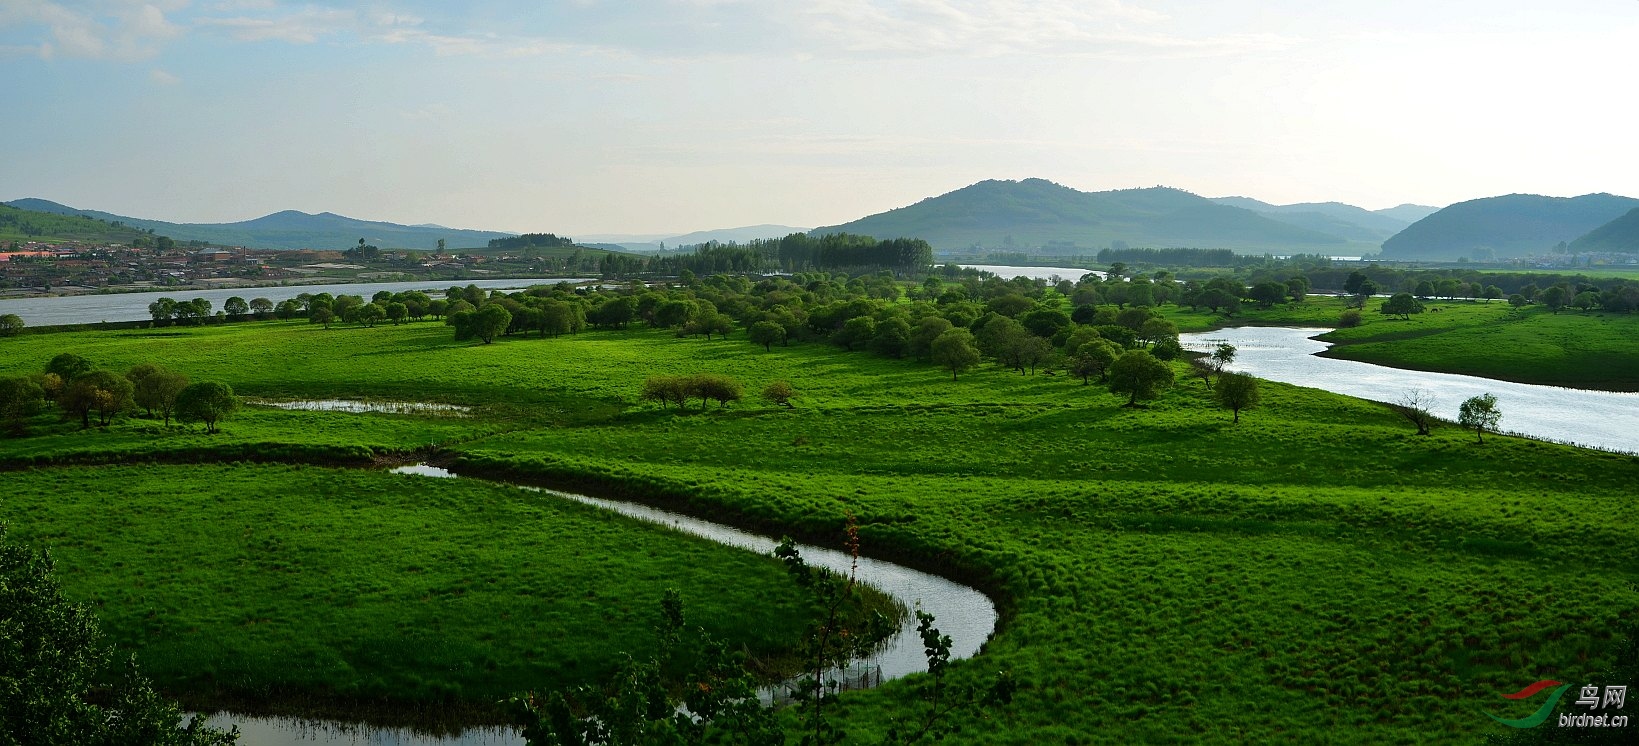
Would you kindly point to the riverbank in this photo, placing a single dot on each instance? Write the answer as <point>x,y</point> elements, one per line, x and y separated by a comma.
<point>1346,575</point>
<point>1573,349</point>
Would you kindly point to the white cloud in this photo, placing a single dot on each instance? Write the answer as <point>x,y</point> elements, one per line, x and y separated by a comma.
<point>122,30</point>
<point>303,26</point>
<point>162,77</point>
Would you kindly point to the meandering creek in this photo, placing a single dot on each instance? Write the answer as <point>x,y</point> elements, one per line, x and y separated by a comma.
<point>1596,419</point>
<point>963,613</point>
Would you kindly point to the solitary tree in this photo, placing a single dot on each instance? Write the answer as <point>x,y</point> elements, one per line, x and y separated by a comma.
<point>780,393</point>
<point>236,308</point>
<point>1237,391</point>
<point>208,402</point>
<point>766,333</point>
<point>262,308</point>
<point>1402,305</point>
<point>1139,375</point>
<point>10,325</point>
<point>1480,413</point>
<point>1414,406</point>
<point>955,351</point>
<point>1222,356</point>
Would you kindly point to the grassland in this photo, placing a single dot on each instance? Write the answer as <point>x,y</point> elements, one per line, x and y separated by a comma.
<point>1316,573</point>
<point>316,589</point>
<point>1594,350</point>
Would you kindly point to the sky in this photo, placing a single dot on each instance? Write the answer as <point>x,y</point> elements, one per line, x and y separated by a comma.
<point>666,116</point>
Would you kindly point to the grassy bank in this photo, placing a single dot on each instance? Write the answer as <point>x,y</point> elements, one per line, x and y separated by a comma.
<point>1593,350</point>
<point>321,590</point>
<point>1317,572</point>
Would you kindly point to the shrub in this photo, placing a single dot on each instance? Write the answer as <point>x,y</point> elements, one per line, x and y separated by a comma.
<point>1349,319</point>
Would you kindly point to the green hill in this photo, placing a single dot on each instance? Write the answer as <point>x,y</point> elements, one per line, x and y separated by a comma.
<point>30,225</point>
<point>292,230</point>
<point>1037,213</point>
<point>1507,226</point>
<point>1621,234</point>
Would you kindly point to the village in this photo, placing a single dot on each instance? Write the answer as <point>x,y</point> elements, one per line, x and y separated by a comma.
<point>33,268</point>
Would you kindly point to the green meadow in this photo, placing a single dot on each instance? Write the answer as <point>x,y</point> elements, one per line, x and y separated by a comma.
<point>1317,572</point>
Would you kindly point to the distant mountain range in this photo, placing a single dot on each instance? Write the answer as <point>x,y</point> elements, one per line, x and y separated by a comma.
<point>1336,218</point>
<point>1509,226</point>
<point>290,230</point>
<point>1042,215</point>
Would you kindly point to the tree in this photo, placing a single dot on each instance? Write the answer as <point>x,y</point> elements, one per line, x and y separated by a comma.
<point>67,366</point>
<point>162,310</point>
<point>1517,300</point>
<point>1236,391</point>
<point>1414,406</point>
<point>398,312</point>
<point>20,399</point>
<point>100,390</point>
<point>1094,358</point>
<point>208,402</point>
<point>857,330</point>
<point>955,350</point>
<point>1491,293</point>
<point>321,315</point>
<point>261,308</point>
<point>1157,329</point>
<point>156,387</point>
<point>1481,413</point>
<point>371,313</point>
<point>55,669</point>
<point>236,308</point>
<point>1222,356</point>
<point>665,390</point>
<point>927,330</point>
<point>1139,375</point>
<point>489,321</point>
<point>1555,298</point>
<point>1585,300</point>
<point>1402,305</point>
<point>10,325</point>
<point>1267,294</point>
<point>718,388</point>
<point>780,393</point>
<point>893,338</point>
<point>1033,351</point>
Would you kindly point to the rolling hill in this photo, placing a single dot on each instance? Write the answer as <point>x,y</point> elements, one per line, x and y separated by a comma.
<point>1507,226</point>
<point>1619,235</point>
<point>17,224</point>
<point>289,230</point>
<point>1035,213</point>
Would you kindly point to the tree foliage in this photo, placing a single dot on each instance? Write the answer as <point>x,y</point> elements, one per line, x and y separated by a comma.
<point>208,402</point>
<point>1235,392</point>
<point>58,681</point>
<point>1140,376</point>
<point>1481,414</point>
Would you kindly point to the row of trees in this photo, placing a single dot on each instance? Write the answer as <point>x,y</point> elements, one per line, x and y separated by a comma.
<point>798,252</point>
<point>80,389</point>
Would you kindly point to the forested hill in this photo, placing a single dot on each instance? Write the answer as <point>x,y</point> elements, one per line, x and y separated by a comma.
<point>22,225</point>
<point>291,230</point>
<point>1619,235</point>
<point>1038,213</point>
<point>1507,226</point>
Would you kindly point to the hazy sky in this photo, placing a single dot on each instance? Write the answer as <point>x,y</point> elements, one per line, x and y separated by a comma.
<point>658,116</point>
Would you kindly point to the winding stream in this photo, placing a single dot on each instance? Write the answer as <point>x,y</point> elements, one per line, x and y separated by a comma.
<point>963,613</point>
<point>1606,420</point>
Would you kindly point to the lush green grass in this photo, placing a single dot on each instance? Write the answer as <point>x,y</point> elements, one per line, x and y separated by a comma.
<point>1595,350</point>
<point>306,585</point>
<point>1315,573</point>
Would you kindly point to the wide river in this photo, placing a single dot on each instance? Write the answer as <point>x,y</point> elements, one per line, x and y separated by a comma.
<point>963,613</point>
<point>91,309</point>
<point>1596,419</point>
